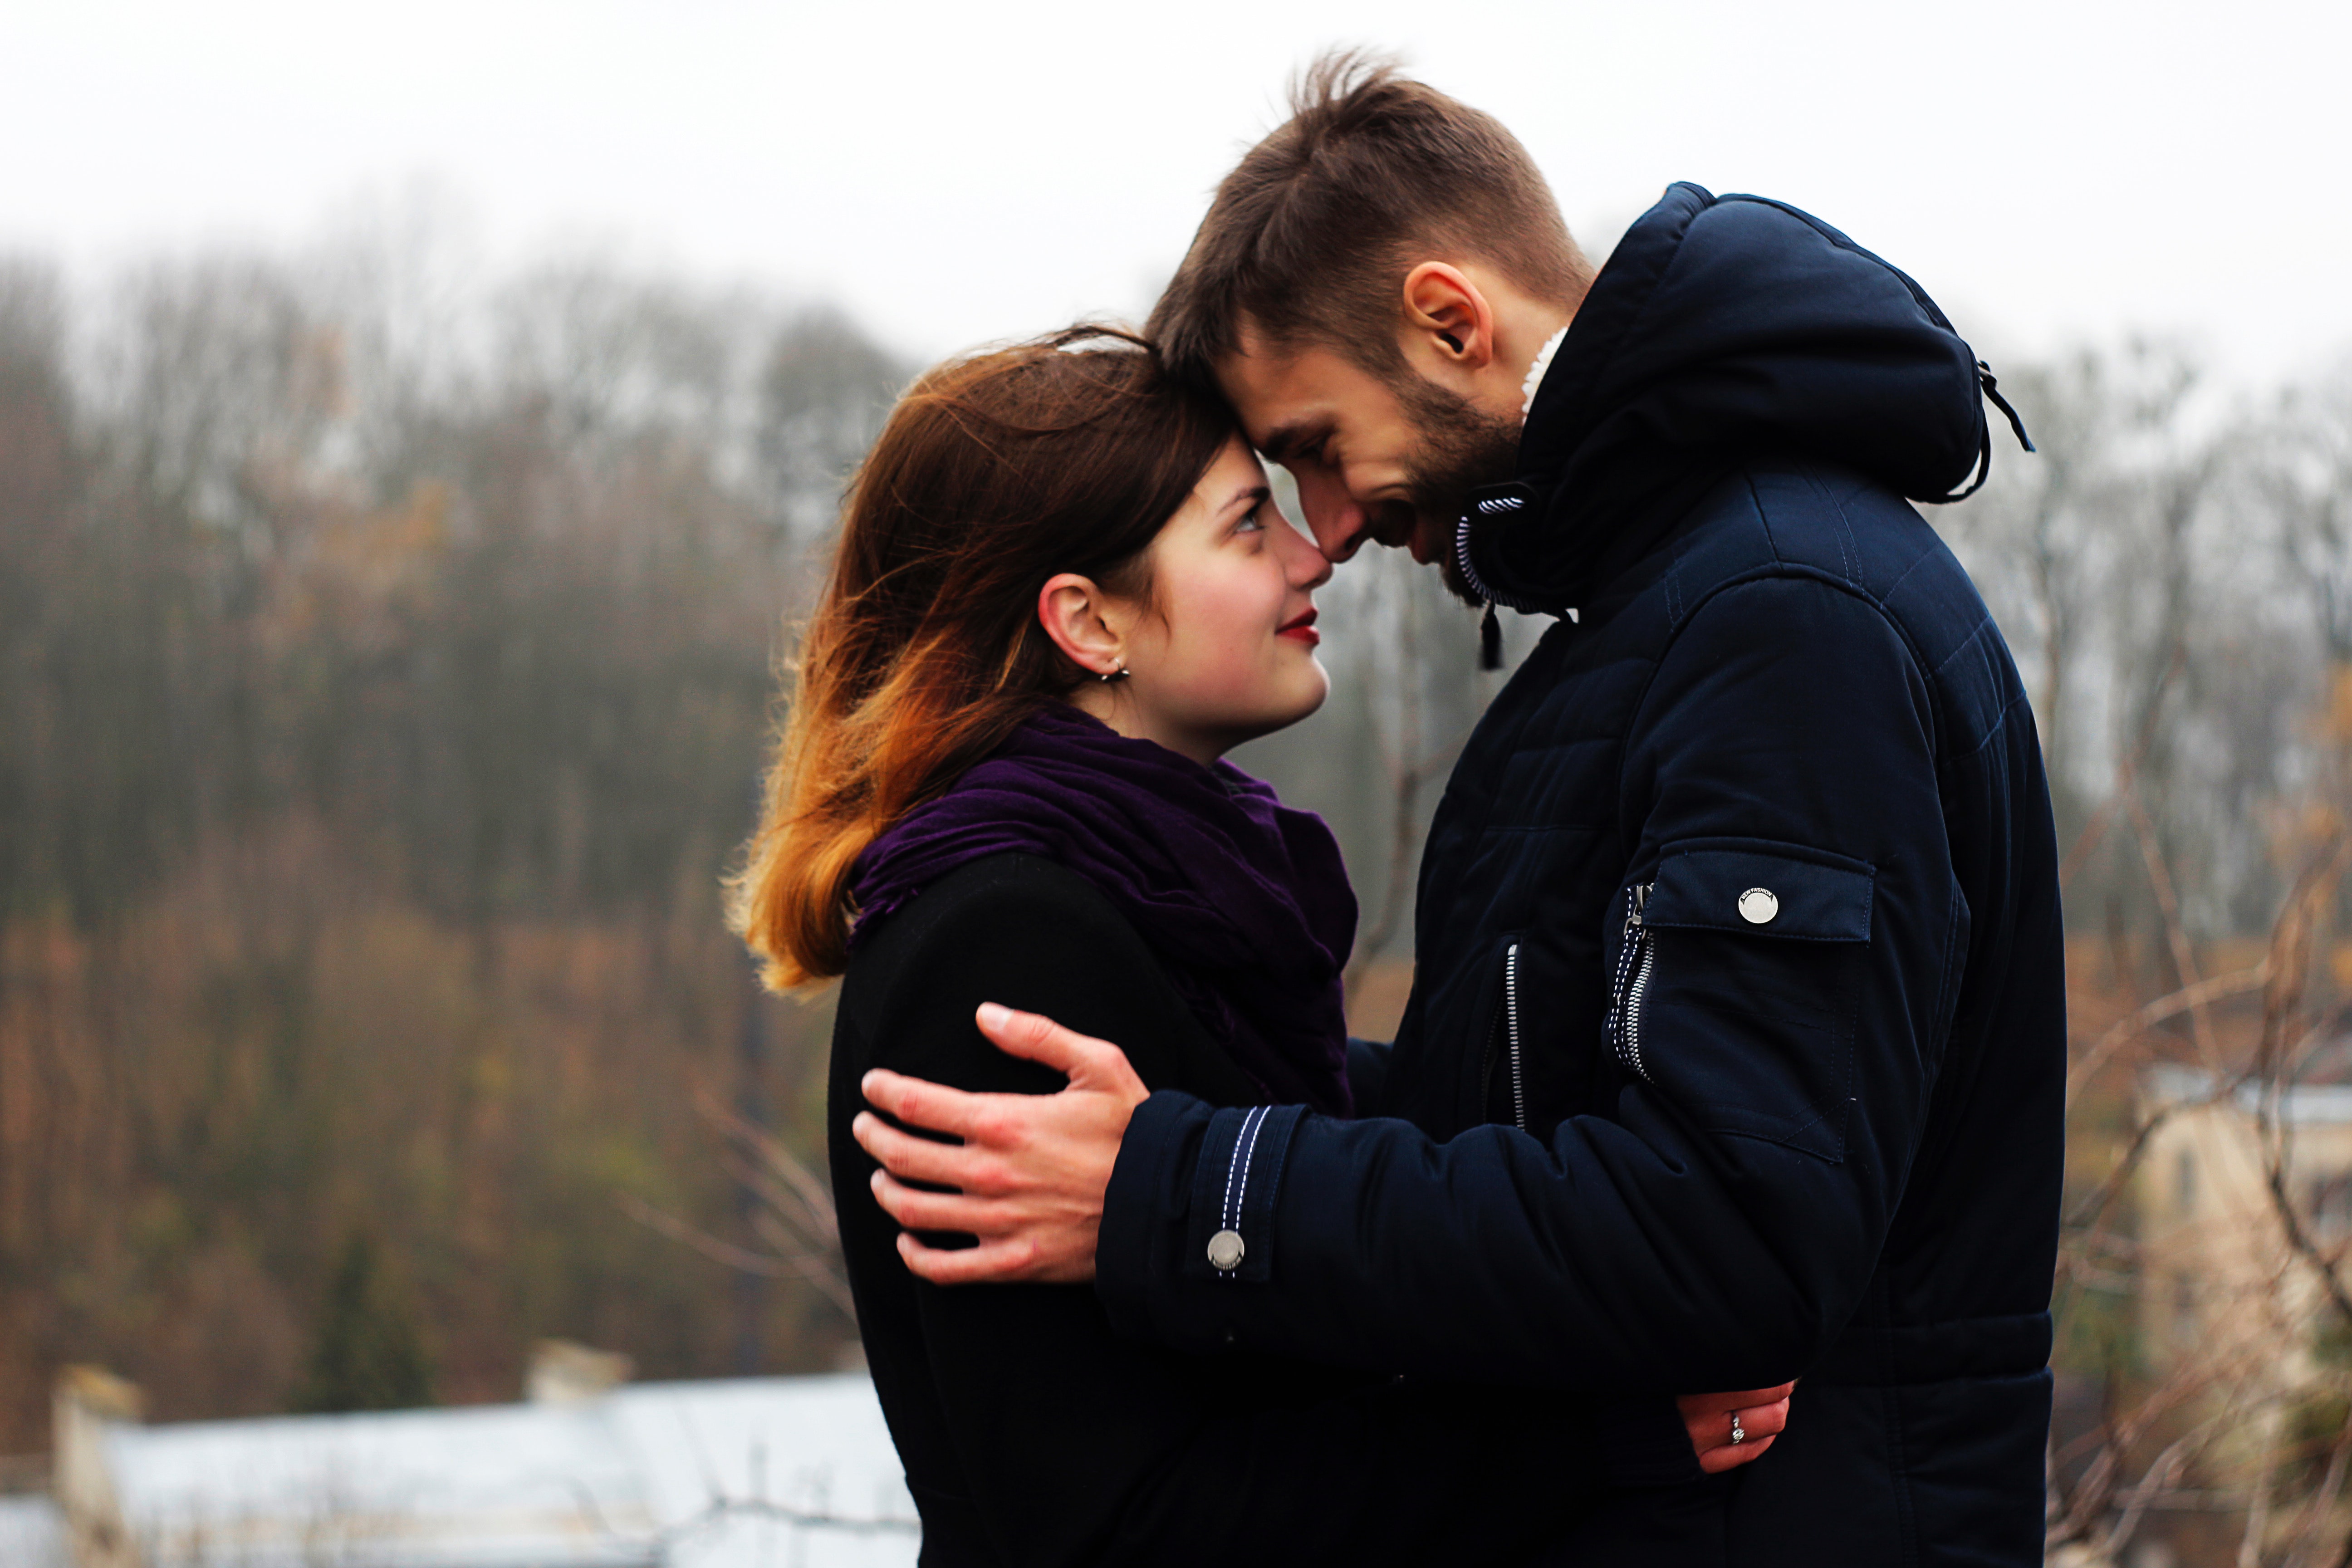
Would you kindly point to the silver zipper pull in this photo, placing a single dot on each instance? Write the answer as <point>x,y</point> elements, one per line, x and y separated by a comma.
<point>1511,1023</point>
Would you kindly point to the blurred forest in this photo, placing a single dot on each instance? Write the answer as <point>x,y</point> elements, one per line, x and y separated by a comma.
<point>386,655</point>
<point>387,669</point>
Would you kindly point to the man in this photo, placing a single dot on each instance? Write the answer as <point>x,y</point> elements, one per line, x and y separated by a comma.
<point>1736,1047</point>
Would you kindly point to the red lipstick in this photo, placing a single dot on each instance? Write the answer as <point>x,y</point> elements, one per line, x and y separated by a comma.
<point>1302,628</point>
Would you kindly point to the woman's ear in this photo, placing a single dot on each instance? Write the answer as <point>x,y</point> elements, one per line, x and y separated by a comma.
<point>1080,618</point>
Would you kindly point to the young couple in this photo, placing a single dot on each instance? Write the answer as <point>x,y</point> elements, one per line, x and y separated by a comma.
<point>1736,1049</point>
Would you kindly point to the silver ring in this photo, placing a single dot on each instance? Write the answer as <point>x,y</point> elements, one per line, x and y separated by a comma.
<point>1738,1433</point>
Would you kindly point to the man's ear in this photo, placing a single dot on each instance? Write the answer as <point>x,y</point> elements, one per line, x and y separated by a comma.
<point>1079,616</point>
<point>1447,318</point>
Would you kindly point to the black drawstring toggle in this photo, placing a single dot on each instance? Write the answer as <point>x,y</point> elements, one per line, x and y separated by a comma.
<point>1990,385</point>
<point>1490,640</point>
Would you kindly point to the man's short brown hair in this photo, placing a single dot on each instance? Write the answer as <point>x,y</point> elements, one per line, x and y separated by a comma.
<point>1310,237</point>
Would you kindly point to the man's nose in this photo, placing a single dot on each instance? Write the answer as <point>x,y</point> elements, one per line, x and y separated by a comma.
<point>1338,523</point>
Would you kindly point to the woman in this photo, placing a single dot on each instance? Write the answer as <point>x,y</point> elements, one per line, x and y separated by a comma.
<point>1061,594</point>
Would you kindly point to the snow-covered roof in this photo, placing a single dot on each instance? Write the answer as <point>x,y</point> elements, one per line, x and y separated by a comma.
<point>32,1533</point>
<point>2301,1105</point>
<point>685,1475</point>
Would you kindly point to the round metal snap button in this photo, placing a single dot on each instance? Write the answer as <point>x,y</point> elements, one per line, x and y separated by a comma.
<point>1758,906</point>
<point>1225,1251</point>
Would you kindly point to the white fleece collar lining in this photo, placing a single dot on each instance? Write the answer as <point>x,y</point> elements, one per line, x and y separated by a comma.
<point>1536,371</point>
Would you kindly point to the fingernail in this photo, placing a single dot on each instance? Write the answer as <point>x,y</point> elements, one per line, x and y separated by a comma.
<point>866,1084</point>
<point>994,1016</point>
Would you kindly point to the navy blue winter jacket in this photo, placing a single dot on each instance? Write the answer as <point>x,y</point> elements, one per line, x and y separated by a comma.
<point>1737,1047</point>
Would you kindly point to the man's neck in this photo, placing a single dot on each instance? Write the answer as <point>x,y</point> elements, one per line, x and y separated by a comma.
<point>1523,327</point>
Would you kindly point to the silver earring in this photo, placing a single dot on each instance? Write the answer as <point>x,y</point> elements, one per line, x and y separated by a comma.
<point>1111,675</point>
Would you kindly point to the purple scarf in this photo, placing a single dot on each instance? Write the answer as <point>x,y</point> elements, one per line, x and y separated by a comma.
<point>1246,898</point>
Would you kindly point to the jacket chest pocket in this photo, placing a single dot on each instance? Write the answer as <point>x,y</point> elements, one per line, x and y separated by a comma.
<point>1736,984</point>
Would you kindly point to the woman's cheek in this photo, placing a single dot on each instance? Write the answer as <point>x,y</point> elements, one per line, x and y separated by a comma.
<point>1227,677</point>
<point>1231,653</point>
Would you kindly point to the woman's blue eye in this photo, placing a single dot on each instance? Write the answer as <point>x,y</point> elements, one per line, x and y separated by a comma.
<point>1253,522</point>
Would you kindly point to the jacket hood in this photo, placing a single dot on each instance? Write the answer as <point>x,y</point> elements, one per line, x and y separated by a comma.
<point>1723,329</point>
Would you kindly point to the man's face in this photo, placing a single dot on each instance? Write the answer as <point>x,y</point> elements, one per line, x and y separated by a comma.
<point>1391,464</point>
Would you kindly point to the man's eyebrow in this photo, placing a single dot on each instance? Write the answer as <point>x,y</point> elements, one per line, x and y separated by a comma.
<point>1283,439</point>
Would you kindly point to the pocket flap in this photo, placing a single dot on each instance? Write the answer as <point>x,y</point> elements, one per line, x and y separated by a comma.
<point>1762,890</point>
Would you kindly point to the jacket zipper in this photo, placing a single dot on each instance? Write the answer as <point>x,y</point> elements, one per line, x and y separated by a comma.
<point>1511,1036</point>
<point>1637,956</point>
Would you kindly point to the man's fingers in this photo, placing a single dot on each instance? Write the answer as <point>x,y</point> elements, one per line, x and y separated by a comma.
<point>991,1260</point>
<point>920,1103</point>
<point>1033,1035</point>
<point>924,1159</point>
<point>1714,1462</point>
<point>916,1209</point>
<point>1088,1063</point>
<point>920,1160</point>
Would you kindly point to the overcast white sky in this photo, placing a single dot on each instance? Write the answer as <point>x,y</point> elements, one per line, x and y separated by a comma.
<point>953,173</point>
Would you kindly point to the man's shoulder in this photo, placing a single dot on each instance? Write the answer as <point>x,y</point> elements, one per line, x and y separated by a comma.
<point>1875,569</point>
<point>1799,518</point>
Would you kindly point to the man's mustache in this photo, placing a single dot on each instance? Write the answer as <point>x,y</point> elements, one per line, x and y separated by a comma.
<point>1392,522</point>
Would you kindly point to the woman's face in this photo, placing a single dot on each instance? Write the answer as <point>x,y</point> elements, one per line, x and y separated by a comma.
<point>1225,651</point>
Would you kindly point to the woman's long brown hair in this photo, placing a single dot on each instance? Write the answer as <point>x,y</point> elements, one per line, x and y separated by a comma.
<point>993,473</point>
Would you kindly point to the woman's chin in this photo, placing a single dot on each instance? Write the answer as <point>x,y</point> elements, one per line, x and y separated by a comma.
<point>1311,697</point>
<point>1322,693</point>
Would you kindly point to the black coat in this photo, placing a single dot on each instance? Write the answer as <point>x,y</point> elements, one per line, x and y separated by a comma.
<point>1804,1117</point>
<point>1032,1436</point>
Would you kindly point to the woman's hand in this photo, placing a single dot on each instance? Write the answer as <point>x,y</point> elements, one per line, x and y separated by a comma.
<point>1758,1414</point>
<point>1031,1171</point>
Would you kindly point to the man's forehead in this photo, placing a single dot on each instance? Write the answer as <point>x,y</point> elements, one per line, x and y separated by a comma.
<point>1276,388</point>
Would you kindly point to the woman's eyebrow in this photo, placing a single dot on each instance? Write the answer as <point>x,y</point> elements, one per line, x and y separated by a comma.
<point>1254,495</point>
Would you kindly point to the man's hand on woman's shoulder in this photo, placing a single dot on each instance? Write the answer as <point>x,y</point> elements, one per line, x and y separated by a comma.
<point>1030,1171</point>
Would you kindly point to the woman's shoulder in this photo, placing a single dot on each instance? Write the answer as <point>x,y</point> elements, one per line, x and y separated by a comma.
<point>997,911</point>
<point>1009,918</point>
<point>1029,933</point>
<point>1013,883</point>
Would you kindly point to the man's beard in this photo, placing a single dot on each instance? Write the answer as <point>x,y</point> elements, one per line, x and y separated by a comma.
<point>1463,447</point>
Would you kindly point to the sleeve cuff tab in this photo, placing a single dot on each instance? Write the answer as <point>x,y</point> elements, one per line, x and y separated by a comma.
<point>1234,1189</point>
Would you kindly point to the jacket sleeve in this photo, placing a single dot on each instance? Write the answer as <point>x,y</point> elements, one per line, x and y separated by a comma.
<point>1082,1447</point>
<point>1717,1229</point>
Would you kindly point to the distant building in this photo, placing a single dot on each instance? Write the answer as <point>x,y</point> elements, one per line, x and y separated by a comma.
<point>589,1473</point>
<point>2220,1286</point>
